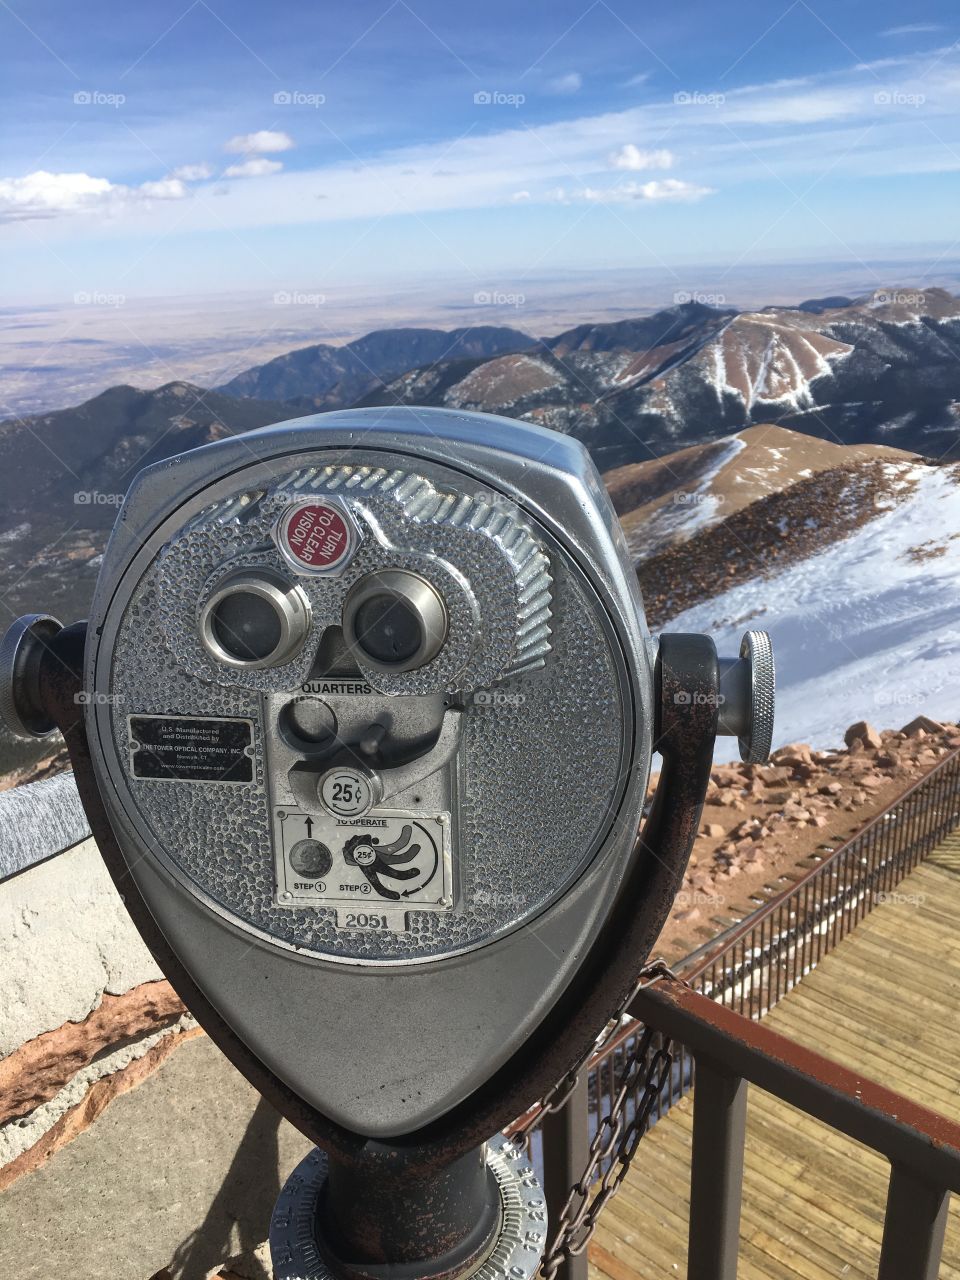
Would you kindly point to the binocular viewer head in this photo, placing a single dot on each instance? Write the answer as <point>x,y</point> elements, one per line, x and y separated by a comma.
<point>370,712</point>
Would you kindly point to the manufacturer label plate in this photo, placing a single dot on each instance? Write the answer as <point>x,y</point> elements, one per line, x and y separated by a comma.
<point>380,865</point>
<point>191,748</point>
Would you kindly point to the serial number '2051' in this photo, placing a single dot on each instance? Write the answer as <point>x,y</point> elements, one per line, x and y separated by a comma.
<point>394,920</point>
<point>362,920</point>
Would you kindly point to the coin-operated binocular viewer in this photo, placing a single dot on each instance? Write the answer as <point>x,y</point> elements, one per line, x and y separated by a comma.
<point>363,720</point>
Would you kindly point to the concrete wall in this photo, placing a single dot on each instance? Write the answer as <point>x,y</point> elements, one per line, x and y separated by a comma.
<point>81,999</point>
<point>120,1122</point>
<point>65,939</point>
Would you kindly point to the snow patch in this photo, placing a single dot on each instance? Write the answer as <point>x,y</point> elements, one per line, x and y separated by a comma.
<point>861,630</point>
<point>690,510</point>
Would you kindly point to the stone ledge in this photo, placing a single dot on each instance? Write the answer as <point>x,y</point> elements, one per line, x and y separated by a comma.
<point>39,1069</point>
<point>96,1100</point>
<point>65,941</point>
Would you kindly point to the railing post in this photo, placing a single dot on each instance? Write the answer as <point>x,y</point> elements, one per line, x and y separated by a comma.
<point>913,1228</point>
<point>566,1141</point>
<point>716,1172</point>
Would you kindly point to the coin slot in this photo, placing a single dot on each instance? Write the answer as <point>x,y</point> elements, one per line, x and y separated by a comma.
<point>308,724</point>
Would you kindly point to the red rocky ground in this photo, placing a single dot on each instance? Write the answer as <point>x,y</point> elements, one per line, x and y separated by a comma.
<point>761,821</point>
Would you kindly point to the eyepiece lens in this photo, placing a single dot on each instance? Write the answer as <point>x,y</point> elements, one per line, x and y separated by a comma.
<point>388,629</point>
<point>394,621</point>
<point>254,618</point>
<point>247,626</point>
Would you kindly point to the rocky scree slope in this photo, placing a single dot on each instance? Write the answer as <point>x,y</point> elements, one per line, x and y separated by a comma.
<point>762,823</point>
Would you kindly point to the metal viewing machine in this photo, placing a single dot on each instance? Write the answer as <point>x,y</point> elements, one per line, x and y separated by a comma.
<point>362,721</point>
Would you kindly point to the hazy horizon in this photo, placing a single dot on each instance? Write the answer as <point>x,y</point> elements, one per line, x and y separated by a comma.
<point>57,355</point>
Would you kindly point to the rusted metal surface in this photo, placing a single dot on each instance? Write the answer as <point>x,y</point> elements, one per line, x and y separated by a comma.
<point>566,1151</point>
<point>609,1154</point>
<point>907,1133</point>
<point>381,1211</point>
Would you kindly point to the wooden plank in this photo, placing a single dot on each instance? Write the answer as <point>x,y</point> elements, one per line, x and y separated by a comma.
<point>848,1000</point>
<point>885,1001</point>
<point>903,1052</point>
<point>885,1059</point>
<point>610,1265</point>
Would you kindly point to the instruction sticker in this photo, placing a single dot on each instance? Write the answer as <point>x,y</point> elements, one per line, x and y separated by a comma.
<point>381,864</point>
<point>191,748</point>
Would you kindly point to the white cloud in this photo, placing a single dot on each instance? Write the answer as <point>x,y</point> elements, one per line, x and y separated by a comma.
<point>192,172</point>
<point>520,195</point>
<point>48,195</point>
<point>658,189</point>
<point>813,106</point>
<point>572,82</point>
<point>165,189</point>
<point>632,157</point>
<point>263,142</point>
<point>45,195</point>
<point>253,168</point>
<point>913,29</point>
<point>636,81</point>
<point>672,189</point>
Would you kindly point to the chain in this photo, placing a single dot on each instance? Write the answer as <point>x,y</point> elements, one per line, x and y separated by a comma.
<point>616,1139</point>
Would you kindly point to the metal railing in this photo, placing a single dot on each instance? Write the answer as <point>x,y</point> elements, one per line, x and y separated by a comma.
<point>750,967</point>
<point>754,964</point>
<point>732,1052</point>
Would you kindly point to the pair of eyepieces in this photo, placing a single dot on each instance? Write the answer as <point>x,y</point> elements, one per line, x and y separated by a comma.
<point>393,620</point>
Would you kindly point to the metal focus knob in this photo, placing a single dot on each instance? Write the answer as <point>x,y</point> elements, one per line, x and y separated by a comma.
<point>21,650</point>
<point>747,686</point>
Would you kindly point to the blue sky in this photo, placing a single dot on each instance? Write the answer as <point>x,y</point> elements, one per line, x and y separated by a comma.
<point>194,146</point>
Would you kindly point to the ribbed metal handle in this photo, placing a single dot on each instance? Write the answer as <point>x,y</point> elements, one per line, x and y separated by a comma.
<point>755,647</point>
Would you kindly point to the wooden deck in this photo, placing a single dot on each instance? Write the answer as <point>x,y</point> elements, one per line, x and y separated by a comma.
<point>885,1002</point>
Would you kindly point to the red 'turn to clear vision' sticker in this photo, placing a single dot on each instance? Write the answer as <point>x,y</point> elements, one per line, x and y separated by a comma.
<point>316,537</point>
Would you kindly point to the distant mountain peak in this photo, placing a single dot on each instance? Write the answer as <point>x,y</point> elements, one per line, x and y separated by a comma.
<point>327,376</point>
<point>690,381</point>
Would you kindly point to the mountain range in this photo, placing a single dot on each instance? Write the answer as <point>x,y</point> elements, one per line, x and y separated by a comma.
<point>884,369</point>
<point>328,377</point>
<point>879,371</point>
<point>704,421</point>
<point>836,368</point>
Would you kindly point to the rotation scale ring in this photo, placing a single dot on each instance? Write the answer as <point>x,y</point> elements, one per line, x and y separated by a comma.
<point>516,1252</point>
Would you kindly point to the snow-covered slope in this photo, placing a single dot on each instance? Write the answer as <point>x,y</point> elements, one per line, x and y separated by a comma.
<point>665,500</point>
<point>866,629</point>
